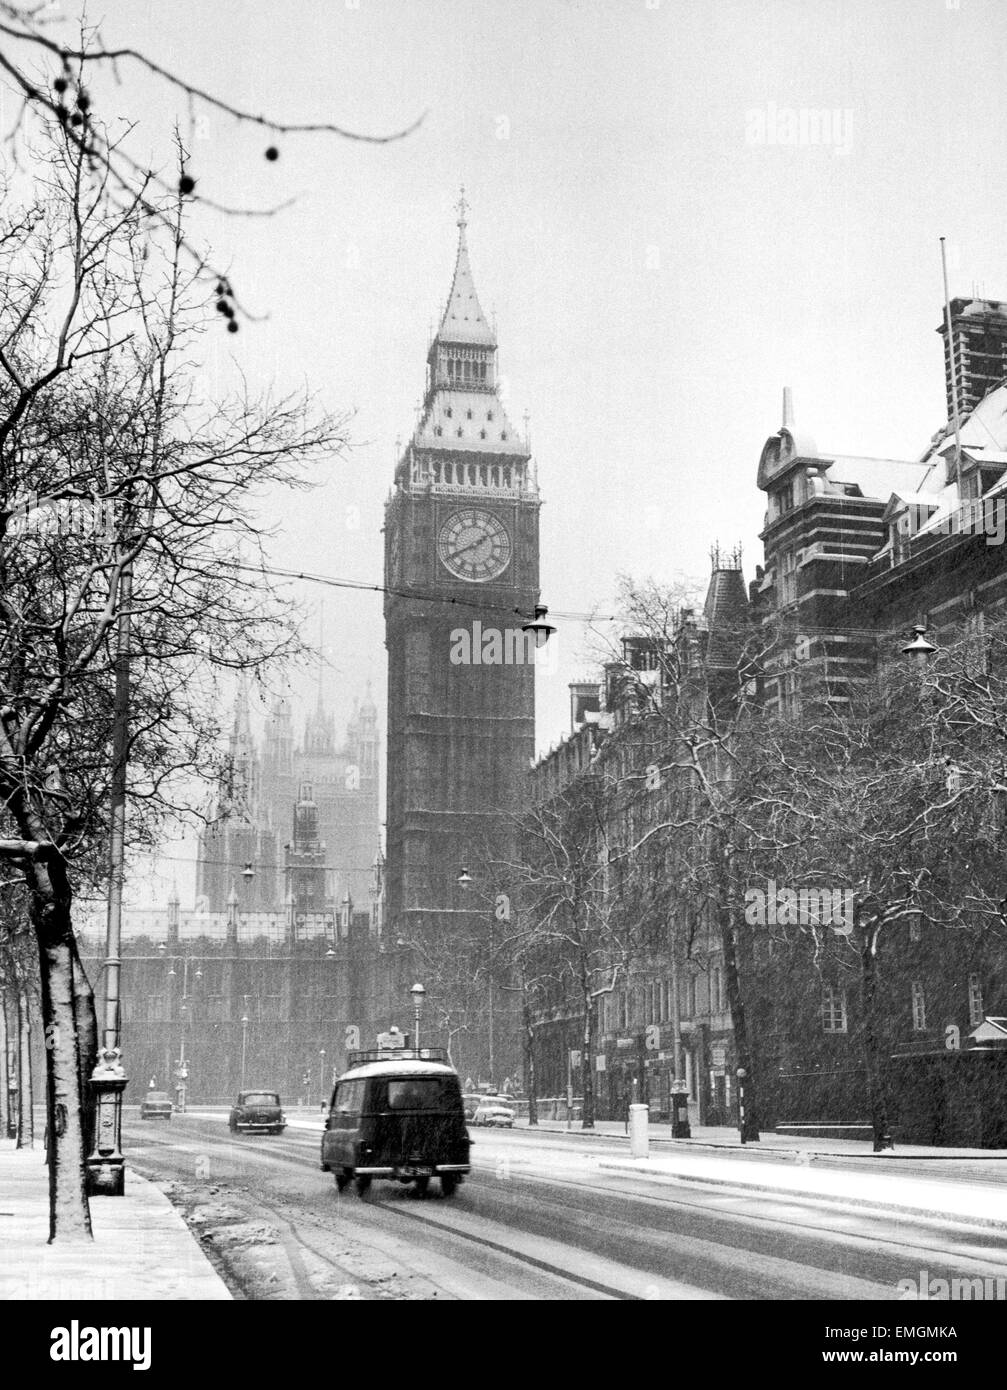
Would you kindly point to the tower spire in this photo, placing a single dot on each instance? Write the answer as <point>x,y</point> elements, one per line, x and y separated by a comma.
<point>463,320</point>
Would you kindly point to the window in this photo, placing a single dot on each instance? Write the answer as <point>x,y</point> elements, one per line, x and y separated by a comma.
<point>346,1103</point>
<point>423,1093</point>
<point>975,1001</point>
<point>788,578</point>
<point>833,1009</point>
<point>919,1009</point>
<point>717,1003</point>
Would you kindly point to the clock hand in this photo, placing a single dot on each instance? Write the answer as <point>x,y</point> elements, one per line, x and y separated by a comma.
<point>453,554</point>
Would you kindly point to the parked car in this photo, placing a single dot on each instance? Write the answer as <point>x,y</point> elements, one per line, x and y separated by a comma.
<point>494,1110</point>
<point>399,1118</point>
<point>155,1105</point>
<point>257,1112</point>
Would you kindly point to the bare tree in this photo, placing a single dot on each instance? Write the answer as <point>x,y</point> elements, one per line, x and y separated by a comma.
<point>126,498</point>
<point>581,942</point>
<point>869,801</point>
<point>55,66</point>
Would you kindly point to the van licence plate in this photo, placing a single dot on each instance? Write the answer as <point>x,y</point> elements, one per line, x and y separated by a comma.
<point>418,1170</point>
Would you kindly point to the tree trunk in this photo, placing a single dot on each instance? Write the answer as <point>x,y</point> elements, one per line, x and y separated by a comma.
<point>25,1097</point>
<point>749,1124</point>
<point>87,1036</point>
<point>528,1040</point>
<point>587,1056</point>
<point>4,1081</point>
<point>872,1053</point>
<point>69,1213</point>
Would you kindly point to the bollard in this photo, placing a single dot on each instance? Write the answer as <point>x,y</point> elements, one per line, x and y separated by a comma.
<point>639,1131</point>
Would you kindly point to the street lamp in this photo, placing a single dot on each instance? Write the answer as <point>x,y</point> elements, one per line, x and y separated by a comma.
<point>465,881</point>
<point>321,1077</point>
<point>105,1173</point>
<point>418,993</point>
<point>741,1074</point>
<point>919,650</point>
<point>182,1068</point>
<point>244,1046</point>
<point>538,627</point>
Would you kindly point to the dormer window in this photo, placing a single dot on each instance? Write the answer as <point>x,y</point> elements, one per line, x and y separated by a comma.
<point>489,415</point>
<point>468,414</point>
<point>459,431</point>
<point>448,412</point>
<point>784,499</point>
<point>482,434</point>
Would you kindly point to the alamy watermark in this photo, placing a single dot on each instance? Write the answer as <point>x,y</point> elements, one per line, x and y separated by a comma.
<point>988,1288</point>
<point>982,516</point>
<point>64,516</point>
<point>800,907</point>
<point>493,646</point>
<point>805,125</point>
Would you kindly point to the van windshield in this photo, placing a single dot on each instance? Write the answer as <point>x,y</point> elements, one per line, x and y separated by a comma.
<point>437,1093</point>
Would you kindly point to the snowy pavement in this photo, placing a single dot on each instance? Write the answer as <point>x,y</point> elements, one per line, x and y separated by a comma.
<point>142,1249</point>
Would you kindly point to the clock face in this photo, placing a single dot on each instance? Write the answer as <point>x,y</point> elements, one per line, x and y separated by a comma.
<point>474,545</point>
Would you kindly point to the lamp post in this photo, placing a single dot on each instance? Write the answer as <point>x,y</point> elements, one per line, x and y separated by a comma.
<point>321,1077</point>
<point>418,993</point>
<point>244,1043</point>
<point>105,1169</point>
<point>465,881</point>
<point>184,1019</point>
<point>679,1088</point>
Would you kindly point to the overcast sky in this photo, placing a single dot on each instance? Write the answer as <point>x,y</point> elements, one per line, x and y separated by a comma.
<point>661,260</point>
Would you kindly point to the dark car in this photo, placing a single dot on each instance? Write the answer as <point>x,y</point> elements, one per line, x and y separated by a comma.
<point>155,1106</point>
<point>400,1118</point>
<point>257,1112</point>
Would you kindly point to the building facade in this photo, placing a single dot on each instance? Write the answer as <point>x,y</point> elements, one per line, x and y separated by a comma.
<point>857,553</point>
<point>253,814</point>
<point>667,1016</point>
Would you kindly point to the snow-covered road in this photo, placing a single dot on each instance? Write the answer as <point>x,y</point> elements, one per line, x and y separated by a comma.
<point>539,1218</point>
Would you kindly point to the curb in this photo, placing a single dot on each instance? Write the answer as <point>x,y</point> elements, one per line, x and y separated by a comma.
<point>858,1203</point>
<point>796,1155</point>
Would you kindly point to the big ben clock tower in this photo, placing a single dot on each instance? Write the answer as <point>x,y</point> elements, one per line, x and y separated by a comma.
<point>461,566</point>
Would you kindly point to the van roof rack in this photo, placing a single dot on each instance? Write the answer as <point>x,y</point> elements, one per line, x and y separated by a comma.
<point>397,1054</point>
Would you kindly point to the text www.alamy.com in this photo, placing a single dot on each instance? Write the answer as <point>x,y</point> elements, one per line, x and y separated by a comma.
<point>908,1358</point>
